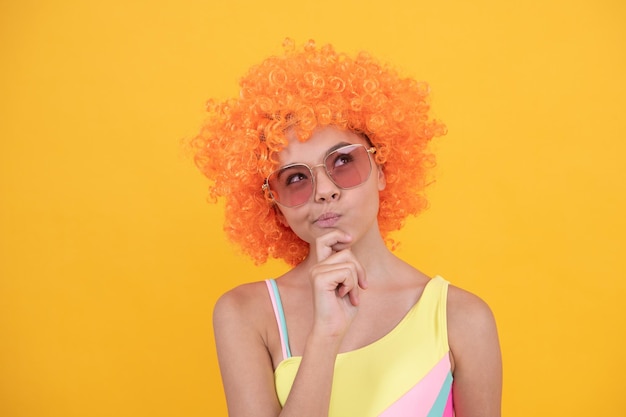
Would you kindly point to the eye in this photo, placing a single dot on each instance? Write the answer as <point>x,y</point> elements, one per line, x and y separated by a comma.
<point>295,178</point>
<point>293,175</point>
<point>342,159</point>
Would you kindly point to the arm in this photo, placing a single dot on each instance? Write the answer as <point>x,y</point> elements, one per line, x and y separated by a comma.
<point>245,362</point>
<point>247,371</point>
<point>473,339</point>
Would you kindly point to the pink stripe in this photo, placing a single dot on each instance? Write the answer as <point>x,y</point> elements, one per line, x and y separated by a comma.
<point>449,410</point>
<point>280,328</point>
<point>418,401</point>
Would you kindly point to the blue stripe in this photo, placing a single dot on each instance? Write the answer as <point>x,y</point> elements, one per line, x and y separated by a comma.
<point>281,314</point>
<point>442,398</point>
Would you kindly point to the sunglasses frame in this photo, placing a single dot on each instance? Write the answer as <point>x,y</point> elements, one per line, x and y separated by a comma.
<point>266,185</point>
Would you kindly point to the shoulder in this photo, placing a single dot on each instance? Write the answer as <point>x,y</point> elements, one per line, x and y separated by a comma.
<point>241,319</point>
<point>469,317</point>
<point>466,308</point>
<point>475,354</point>
<point>242,304</point>
<point>471,325</point>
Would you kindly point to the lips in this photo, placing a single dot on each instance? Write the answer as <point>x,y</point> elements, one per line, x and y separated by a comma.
<point>327,219</point>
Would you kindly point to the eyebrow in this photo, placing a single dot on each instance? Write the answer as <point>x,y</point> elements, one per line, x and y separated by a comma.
<point>337,146</point>
<point>328,151</point>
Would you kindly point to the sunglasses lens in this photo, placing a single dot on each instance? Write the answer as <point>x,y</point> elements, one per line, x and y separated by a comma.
<point>291,186</point>
<point>349,166</point>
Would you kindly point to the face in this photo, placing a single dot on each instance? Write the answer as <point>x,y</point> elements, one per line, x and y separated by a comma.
<point>351,206</point>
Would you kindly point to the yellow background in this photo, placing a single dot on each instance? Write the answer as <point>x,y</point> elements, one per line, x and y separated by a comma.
<point>111,259</point>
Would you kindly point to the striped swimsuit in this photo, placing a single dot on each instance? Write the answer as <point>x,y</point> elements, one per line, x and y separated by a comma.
<point>405,373</point>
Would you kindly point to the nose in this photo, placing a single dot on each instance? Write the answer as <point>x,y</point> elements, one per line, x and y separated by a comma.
<point>325,189</point>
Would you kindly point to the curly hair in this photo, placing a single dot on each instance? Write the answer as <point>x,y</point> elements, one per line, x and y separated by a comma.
<point>304,89</point>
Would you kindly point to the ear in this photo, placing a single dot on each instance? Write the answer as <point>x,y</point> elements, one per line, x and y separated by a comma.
<point>382,181</point>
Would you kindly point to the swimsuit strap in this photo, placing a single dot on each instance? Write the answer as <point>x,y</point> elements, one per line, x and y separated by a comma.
<point>277,305</point>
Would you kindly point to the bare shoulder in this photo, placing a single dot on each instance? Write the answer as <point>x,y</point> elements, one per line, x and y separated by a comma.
<point>240,324</point>
<point>242,304</point>
<point>241,316</point>
<point>471,322</point>
<point>467,309</point>
<point>475,354</point>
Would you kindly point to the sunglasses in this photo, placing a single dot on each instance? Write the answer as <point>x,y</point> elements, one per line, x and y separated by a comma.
<point>293,185</point>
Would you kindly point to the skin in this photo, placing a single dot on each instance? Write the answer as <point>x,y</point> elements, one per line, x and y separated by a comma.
<point>349,292</point>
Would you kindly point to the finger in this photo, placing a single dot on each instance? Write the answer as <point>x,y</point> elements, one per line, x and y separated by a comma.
<point>346,256</point>
<point>324,245</point>
<point>361,276</point>
<point>330,277</point>
<point>349,284</point>
<point>353,296</point>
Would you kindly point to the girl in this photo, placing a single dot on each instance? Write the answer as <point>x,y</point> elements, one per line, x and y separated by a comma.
<point>319,158</point>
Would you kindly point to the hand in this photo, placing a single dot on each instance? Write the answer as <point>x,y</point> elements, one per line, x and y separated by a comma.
<point>336,280</point>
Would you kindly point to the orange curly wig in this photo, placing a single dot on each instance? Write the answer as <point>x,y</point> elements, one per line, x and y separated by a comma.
<point>301,90</point>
